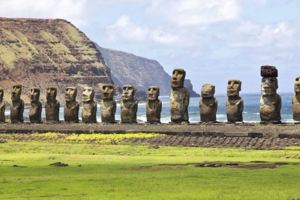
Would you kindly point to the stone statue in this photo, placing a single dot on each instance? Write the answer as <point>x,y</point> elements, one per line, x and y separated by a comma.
<point>52,105</point>
<point>72,107</point>
<point>17,107</point>
<point>270,101</point>
<point>108,104</point>
<point>179,98</point>
<point>296,100</point>
<point>234,104</point>
<point>2,106</point>
<point>89,108</point>
<point>129,105</point>
<point>208,104</point>
<point>153,105</point>
<point>35,112</point>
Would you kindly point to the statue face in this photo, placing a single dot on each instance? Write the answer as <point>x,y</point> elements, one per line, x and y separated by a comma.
<point>128,92</point>
<point>16,92</point>
<point>178,77</point>
<point>1,94</point>
<point>88,94</point>
<point>233,88</point>
<point>108,91</point>
<point>297,85</point>
<point>70,94</point>
<point>153,93</point>
<point>207,91</point>
<point>35,94</point>
<point>51,93</point>
<point>269,86</point>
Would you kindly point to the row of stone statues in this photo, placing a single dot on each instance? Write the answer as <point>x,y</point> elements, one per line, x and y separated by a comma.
<point>270,102</point>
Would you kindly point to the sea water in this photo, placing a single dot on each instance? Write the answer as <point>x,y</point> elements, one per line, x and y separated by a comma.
<point>250,114</point>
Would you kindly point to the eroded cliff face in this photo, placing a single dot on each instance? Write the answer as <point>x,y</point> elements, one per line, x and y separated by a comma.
<point>42,53</point>
<point>141,72</point>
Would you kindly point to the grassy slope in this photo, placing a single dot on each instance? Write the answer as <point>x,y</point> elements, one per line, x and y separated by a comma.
<point>119,172</point>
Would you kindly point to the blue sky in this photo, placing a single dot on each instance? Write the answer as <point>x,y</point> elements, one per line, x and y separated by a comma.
<point>214,40</point>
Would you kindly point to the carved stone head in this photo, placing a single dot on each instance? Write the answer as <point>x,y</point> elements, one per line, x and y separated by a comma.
<point>269,85</point>
<point>16,92</point>
<point>234,88</point>
<point>178,77</point>
<point>35,94</point>
<point>128,92</point>
<point>108,91</point>
<point>51,93</point>
<point>207,91</point>
<point>88,94</point>
<point>1,94</point>
<point>153,93</point>
<point>70,94</point>
<point>297,85</point>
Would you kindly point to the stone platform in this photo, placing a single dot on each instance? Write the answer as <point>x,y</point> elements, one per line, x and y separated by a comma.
<point>252,130</point>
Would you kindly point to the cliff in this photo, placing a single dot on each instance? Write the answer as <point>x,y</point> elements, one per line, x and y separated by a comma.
<point>43,52</point>
<point>141,72</point>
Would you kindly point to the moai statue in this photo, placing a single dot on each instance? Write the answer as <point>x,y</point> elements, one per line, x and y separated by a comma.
<point>234,104</point>
<point>129,105</point>
<point>89,107</point>
<point>17,107</point>
<point>153,105</point>
<point>108,104</point>
<point>2,106</point>
<point>52,105</point>
<point>179,98</point>
<point>270,101</point>
<point>72,106</point>
<point>35,112</point>
<point>296,100</point>
<point>208,104</point>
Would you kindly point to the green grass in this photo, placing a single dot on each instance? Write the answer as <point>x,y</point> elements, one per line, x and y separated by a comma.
<point>99,171</point>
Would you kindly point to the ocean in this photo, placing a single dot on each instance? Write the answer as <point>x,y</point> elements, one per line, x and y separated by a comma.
<point>250,114</point>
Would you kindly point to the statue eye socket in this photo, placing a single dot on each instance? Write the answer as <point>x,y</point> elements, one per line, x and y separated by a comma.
<point>297,79</point>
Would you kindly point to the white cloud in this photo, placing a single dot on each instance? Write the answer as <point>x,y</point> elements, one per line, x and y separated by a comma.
<point>195,12</point>
<point>249,34</point>
<point>72,10</point>
<point>124,29</point>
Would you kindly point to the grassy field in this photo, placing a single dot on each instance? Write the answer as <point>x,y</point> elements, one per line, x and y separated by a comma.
<point>105,171</point>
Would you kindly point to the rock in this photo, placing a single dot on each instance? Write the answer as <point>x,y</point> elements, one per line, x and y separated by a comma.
<point>208,104</point>
<point>153,105</point>
<point>124,67</point>
<point>179,98</point>
<point>59,164</point>
<point>48,52</point>
<point>234,103</point>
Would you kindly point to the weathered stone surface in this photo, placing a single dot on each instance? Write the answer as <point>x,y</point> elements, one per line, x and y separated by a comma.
<point>129,105</point>
<point>17,107</point>
<point>153,105</point>
<point>208,104</point>
<point>89,106</point>
<point>72,106</point>
<point>108,104</point>
<point>179,98</point>
<point>35,112</point>
<point>43,52</point>
<point>2,106</point>
<point>268,71</point>
<point>270,101</point>
<point>52,105</point>
<point>234,104</point>
<point>296,100</point>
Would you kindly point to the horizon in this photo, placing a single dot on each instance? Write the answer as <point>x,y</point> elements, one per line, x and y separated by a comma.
<point>214,41</point>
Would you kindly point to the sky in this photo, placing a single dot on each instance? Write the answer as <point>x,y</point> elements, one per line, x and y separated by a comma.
<point>213,40</point>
